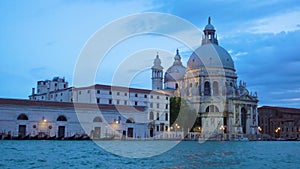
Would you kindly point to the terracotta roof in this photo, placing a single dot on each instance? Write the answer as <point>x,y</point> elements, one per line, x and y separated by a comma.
<point>282,109</point>
<point>23,102</point>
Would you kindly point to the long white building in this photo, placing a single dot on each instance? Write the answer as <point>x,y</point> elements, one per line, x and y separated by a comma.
<point>99,111</point>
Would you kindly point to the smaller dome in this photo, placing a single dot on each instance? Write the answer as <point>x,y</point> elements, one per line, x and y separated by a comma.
<point>176,71</point>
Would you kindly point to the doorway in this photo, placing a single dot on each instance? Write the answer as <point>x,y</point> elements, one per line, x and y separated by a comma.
<point>97,133</point>
<point>61,131</point>
<point>22,130</point>
<point>151,132</point>
<point>130,132</point>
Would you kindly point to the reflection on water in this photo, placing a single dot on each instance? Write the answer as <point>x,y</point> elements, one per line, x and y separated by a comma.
<point>188,154</point>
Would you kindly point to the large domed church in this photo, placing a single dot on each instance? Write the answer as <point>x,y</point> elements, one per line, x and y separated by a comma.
<point>209,84</point>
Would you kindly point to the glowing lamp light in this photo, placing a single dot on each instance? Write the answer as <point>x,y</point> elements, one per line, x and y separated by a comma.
<point>259,128</point>
<point>222,128</point>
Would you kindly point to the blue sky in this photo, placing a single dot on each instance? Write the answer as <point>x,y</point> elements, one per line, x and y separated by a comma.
<point>42,39</point>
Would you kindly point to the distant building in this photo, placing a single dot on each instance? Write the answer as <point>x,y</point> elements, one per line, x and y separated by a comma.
<point>279,122</point>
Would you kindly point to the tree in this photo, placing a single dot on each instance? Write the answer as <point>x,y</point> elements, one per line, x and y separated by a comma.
<point>182,114</point>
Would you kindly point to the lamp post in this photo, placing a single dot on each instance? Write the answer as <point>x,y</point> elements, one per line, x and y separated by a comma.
<point>222,128</point>
<point>277,132</point>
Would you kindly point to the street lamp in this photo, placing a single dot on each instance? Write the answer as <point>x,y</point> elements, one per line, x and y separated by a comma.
<point>222,128</point>
<point>44,120</point>
<point>277,131</point>
<point>259,129</point>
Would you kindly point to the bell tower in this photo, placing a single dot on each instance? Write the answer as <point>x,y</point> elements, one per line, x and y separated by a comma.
<point>157,74</point>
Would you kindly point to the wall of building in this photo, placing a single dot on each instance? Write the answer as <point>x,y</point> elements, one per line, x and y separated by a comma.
<point>279,122</point>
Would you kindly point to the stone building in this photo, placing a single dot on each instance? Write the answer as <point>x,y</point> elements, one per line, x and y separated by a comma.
<point>279,122</point>
<point>209,84</point>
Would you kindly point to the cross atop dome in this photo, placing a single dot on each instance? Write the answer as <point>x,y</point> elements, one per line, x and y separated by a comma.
<point>209,34</point>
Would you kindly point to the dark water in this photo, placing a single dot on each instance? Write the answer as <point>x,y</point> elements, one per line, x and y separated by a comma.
<point>86,154</point>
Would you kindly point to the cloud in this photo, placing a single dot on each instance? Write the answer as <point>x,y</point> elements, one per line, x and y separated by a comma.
<point>284,22</point>
<point>235,55</point>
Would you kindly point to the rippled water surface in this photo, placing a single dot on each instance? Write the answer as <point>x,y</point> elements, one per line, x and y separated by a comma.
<point>187,154</point>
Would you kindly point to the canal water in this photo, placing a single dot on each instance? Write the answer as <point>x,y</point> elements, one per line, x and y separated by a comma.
<point>186,154</point>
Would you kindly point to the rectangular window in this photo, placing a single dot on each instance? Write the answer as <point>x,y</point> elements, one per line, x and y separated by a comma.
<point>125,94</point>
<point>157,105</point>
<point>151,105</point>
<point>151,96</point>
<point>167,99</point>
<point>88,91</point>
<point>166,128</point>
<point>157,128</point>
<point>109,101</point>
<point>157,97</point>
<point>79,92</point>
<point>145,96</point>
<point>98,100</point>
<point>135,103</point>
<point>136,95</point>
<point>98,91</point>
<point>167,106</point>
<point>109,92</point>
<point>118,93</point>
<point>118,101</point>
<point>125,102</point>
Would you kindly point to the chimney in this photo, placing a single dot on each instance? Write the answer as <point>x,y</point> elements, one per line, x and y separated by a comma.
<point>33,91</point>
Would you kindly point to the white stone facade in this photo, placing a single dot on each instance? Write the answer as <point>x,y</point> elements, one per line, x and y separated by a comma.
<point>62,120</point>
<point>209,84</point>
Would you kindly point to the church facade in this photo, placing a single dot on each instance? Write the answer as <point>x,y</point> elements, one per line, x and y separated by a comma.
<point>209,84</point>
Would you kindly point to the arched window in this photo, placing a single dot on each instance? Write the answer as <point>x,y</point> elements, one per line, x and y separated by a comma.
<point>130,120</point>
<point>22,117</point>
<point>97,119</point>
<point>212,108</point>
<point>61,118</point>
<point>206,89</point>
<point>151,116</point>
<point>215,88</point>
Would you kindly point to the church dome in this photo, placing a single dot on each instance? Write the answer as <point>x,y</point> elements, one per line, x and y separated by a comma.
<point>176,71</point>
<point>210,55</point>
